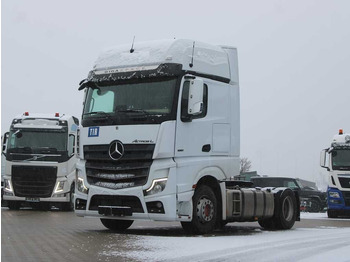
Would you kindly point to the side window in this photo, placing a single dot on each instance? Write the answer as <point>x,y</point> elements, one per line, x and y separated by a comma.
<point>71,142</point>
<point>184,103</point>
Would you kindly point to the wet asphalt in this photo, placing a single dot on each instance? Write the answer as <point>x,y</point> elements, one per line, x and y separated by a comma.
<point>33,235</point>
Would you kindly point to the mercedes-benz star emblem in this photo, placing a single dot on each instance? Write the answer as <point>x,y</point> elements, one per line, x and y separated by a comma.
<point>116,150</point>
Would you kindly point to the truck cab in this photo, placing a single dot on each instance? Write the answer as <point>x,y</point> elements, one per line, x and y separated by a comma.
<point>41,153</point>
<point>336,159</point>
<point>160,137</point>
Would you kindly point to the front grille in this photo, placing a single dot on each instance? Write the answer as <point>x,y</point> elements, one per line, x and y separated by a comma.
<point>344,182</point>
<point>33,181</point>
<point>346,196</point>
<point>129,171</point>
<point>122,201</point>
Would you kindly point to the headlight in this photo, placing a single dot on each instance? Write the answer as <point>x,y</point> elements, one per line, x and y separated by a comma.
<point>157,186</point>
<point>334,194</point>
<point>59,187</point>
<point>80,183</point>
<point>7,185</point>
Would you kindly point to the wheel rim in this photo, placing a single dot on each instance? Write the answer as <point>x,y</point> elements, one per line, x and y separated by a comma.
<point>287,208</point>
<point>205,210</point>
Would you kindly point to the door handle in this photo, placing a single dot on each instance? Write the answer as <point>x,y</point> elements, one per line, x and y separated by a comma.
<point>206,148</point>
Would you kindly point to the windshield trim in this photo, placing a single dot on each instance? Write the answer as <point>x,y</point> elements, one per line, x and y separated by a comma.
<point>134,116</point>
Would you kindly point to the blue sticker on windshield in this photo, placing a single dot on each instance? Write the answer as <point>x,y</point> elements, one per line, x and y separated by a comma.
<point>94,131</point>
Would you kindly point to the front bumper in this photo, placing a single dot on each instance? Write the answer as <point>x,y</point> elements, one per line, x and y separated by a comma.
<point>168,202</point>
<point>335,203</point>
<point>53,199</point>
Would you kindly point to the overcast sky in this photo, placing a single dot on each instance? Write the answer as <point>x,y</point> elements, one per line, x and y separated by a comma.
<point>294,63</point>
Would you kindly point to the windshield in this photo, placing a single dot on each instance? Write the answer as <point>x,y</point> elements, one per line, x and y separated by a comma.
<point>37,141</point>
<point>341,159</point>
<point>130,103</point>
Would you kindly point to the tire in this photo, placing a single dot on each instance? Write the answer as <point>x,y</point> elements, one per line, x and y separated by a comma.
<point>315,206</point>
<point>221,224</point>
<point>116,225</point>
<point>70,205</point>
<point>204,214</point>
<point>332,213</point>
<point>285,212</point>
<point>13,205</point>
<point>44,206</point>
<point>287,208</point>
<point>267,223</point>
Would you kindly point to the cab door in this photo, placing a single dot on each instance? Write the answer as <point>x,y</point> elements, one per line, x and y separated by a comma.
<point>193,131</point>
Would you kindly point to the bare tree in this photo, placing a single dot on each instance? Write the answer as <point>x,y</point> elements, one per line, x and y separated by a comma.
<point>246,164</point>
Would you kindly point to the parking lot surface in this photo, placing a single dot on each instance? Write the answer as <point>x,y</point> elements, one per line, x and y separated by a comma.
<point>30,235</point>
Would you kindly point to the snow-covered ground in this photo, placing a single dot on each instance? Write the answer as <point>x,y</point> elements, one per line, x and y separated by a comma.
<point>243,244</point>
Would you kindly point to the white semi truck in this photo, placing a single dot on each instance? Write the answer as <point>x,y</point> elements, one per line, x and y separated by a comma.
<point>336,160</point>
<point>160,140</point>
<point>41,154</point>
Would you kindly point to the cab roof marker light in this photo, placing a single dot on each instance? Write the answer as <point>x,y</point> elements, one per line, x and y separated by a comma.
<point>154,182</point>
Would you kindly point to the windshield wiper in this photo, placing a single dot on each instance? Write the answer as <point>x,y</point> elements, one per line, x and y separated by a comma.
<point>21,149</point>
<point>102,113</point>
<point>46,149</point>
<point>133,110</point>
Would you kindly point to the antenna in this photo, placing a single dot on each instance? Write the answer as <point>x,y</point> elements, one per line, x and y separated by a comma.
<point>191,64</point>
<point>132,46</point>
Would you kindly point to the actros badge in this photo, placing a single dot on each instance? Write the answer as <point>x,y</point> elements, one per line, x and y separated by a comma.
<point>116,150</point>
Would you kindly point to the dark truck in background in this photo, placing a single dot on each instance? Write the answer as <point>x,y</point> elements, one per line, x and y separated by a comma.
<point>311,199</point>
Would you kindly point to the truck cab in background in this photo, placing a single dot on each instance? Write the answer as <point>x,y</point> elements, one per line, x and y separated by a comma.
<point>336,160</point>
<point>41,156</point>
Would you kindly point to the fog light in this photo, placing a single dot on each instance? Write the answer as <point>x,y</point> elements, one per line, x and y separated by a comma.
<point>155,207</point>
<point>80,204</point>
<point>335,201</point>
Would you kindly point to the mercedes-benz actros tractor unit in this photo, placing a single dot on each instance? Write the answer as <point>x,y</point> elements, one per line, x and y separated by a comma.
<point>160,140</point>
<point>41,154</point>
<point>336,159</point>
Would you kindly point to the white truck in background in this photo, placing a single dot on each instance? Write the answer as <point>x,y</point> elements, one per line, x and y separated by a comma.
<point>160,140</point>
<point>336,160</point>
<point>41,154</point>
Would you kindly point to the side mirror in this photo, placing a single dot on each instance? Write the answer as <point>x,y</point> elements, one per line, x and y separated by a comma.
<point>323,157</point>
<point>4,142</point>
<point>195,97</point>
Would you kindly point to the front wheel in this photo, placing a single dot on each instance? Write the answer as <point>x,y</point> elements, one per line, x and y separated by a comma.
<point>116,225</point>
<point>204,212</point>
<point>14,205</point>
<point>332,213</point>
<point>315,206</point>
